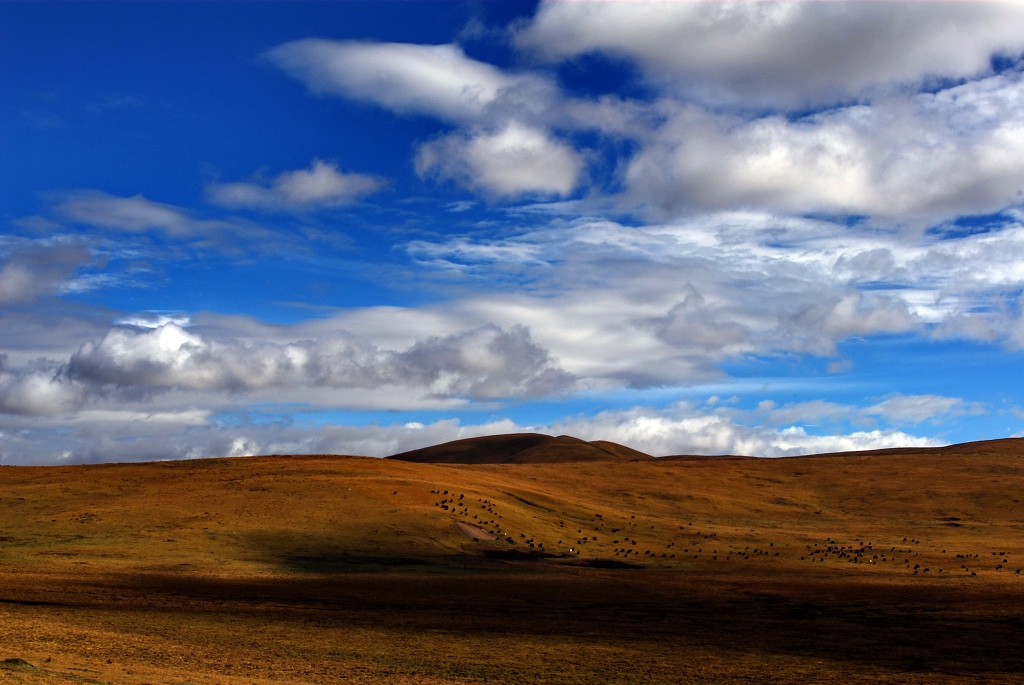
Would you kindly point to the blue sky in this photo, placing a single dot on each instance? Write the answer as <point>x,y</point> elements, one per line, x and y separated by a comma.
<point>761,228</point>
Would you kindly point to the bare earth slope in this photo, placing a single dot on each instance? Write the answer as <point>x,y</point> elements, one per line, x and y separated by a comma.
<point>899,568</point>
<point>521,448</point>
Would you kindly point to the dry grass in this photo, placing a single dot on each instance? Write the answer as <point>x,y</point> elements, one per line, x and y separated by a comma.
<point>335,569</point>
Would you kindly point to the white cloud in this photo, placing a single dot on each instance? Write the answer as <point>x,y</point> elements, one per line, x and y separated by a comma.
<point>814,411</point>
<point>18,284</point>
<point>957,151</point>
<point>482,363</point>
<point>505,149</point>
<point>590,304</point>
<point>38,388</point>
<point>795,440</point>
<point>939,153</point>
<point>322,185</point>
<point>514,161</point>
<point>438,80</point>
<point>665,304</point>
<point>897,409</point>
<point>30,334</point>
<point>154,320</point>
<point>186,417</point>
<point>900,408</point>
<point>785,54</point>
<point>461,254</point>
<point>680,429</point>
<point>34,269</point>
<point>684,430</point>
<point>141,218</point>
<point>131,214</point>
<point>108,437</point>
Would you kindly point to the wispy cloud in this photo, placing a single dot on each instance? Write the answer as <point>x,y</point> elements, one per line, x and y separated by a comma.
<point>135,227</point>
<point>320,186</point>
<point>903,409</point>
<point>439,80</point>
<point>130,214</point>
<point>729,284</point>
<point>33,269</point>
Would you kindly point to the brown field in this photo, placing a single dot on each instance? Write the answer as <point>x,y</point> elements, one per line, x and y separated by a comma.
<point>895,567</point>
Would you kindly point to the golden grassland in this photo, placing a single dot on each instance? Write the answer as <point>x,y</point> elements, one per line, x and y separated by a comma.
<point>896,567</point>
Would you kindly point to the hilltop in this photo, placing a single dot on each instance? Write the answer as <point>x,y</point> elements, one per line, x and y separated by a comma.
<point>521,448</point>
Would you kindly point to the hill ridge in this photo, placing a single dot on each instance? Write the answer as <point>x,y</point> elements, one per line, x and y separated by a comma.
<point>521,448</point>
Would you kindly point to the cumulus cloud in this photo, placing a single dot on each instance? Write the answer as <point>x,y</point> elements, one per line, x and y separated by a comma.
<point>514,161</point>
<point>505,149</point>
<point>682,429</point>
<point>917,126</point>
<point>957,151</point>
<point>786,54</point>
<point>135,436</point>
<point>795,440</point>
<point>916,123</point>
<point>322,185</point>
<point>98,436</point>
<point>933,154</point>
<point>800,321</point>
<point>438,80</point>
<point>486,362</point>
<point>38,388</point>
<point>164,373</point>
<point>906,126</point>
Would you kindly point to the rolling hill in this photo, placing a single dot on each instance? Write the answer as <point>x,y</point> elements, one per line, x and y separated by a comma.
<point>852,568</point>
<point>521,448</point>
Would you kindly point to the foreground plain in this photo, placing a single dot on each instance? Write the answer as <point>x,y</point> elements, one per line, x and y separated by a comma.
<point>898,567</point>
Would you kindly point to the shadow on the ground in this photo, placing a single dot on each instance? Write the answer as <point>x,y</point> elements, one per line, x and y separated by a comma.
<point>923,629</point>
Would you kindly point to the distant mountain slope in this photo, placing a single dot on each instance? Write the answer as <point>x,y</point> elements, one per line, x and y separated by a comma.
<point>621,451</point>
<point>521,448</point>
<point>980,448</point>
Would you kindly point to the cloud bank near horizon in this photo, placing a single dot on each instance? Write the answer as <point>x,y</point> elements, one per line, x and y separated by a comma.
<point>123,435</point>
